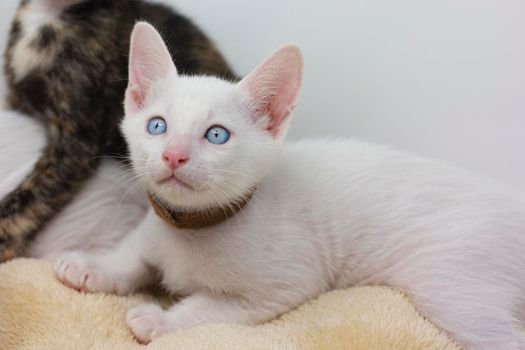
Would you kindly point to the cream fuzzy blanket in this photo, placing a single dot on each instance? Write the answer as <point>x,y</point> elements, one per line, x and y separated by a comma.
<point>37,312</point>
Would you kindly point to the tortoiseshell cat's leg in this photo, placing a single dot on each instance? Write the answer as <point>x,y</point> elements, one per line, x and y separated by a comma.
<point>56,177</point>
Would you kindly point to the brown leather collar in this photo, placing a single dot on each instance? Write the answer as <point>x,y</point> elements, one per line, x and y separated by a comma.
<point>200,218</point>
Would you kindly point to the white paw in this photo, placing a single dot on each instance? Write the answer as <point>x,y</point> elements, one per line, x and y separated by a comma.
<point>147,322</point>
<point>76,270</point>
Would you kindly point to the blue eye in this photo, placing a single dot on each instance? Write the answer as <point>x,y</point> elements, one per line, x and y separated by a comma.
<point>157,126</point>
<point>217,135</point>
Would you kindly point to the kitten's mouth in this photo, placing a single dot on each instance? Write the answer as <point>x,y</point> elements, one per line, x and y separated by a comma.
<point>174,179</point>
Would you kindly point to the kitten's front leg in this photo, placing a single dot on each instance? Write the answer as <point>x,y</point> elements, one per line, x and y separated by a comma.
<point>120,271</point>
<point>98,273</point>
<point>149,321</point>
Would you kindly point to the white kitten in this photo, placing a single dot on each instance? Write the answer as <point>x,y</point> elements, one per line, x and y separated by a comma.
<point>99,217</point>
<point>324,215</point>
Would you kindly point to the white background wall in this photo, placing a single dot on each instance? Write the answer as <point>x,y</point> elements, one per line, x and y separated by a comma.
<point>441,78</point>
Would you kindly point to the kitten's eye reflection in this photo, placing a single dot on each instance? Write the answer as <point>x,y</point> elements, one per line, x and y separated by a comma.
<point>217,135</point>
<point>157,126</point>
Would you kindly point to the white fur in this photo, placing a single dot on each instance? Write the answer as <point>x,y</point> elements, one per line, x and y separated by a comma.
<point>325,214</point>
<point>109,206</point>
<point>25,57</point>
<point>36,14</point>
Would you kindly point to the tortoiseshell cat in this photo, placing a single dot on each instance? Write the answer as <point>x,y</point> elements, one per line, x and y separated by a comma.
<point>66,64</point>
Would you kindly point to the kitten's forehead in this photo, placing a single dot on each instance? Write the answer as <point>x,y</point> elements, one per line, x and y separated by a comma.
<point>201,88</point>
<point>193,99</point>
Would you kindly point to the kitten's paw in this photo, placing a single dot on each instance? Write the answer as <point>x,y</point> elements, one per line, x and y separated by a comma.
<point>147,322</point>
<point>76,270</point>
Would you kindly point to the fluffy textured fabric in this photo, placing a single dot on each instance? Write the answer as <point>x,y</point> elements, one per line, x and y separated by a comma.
<point>37,312</point>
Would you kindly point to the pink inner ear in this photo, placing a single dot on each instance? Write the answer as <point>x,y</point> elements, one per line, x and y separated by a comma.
<point>150,61</point>
<point>137,96</point>
<point>274,86</point>
<point>283,106</point>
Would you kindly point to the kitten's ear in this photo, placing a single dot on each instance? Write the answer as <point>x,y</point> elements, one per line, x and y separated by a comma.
<point>149,62</point>
<point>274,87</point>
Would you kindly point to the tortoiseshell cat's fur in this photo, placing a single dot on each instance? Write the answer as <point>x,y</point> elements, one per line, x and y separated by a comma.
<point>70,70</point>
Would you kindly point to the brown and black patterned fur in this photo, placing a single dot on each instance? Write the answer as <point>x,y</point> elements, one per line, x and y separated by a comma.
<point>79,97</point>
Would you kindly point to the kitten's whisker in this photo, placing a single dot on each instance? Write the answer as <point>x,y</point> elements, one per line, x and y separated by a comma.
<point>132,188</point>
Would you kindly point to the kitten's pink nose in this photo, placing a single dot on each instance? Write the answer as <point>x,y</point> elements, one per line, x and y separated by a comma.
<point>175,158</point>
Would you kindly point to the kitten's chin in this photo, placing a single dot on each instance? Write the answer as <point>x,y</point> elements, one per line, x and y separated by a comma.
<point>180,197</point>
<point>179,194</point>
<point>184,193</point>
<point>174,190</point>
<point>176,183</point>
